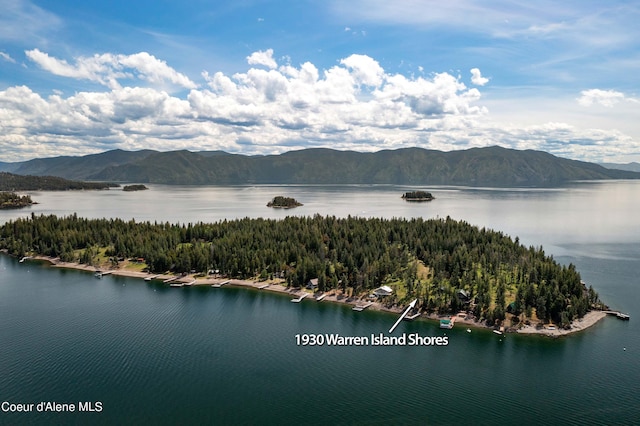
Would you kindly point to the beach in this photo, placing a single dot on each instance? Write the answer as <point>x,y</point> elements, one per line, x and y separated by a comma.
<point>589,319</point>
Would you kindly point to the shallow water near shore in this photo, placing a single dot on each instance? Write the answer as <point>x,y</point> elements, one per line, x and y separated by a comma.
<point>163,355</point>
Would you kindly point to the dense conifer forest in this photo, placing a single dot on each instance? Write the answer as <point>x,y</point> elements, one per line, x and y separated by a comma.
<point>431,260</point>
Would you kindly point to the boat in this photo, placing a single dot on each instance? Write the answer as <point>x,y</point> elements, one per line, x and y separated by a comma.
<point>623,316</point>
<point>498,332</point>
<point>98,274</point>
<point>468,330</point>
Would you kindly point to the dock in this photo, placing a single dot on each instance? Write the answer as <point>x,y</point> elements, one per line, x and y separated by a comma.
<point>100,274</point>
<point>218,285</point>
<point>153,277</point>
<point>619,315</point>
<point>322,296</point>
<point>190,283</point>
<point>170,280</point>
<point>176,284</point>
<point>447,323</point>
<point>262,287</point>
<point>299,299</point>
<point>411,317</point>
<point>360,308</point>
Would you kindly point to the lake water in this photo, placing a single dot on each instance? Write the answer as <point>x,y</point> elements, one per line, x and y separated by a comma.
<point>158,355</point>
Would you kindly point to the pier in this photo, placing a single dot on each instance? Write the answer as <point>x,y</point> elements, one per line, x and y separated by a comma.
<point>190,283</point>
<point>618,314</point>
<point>447,323</point>
<point>322,296</point>
<point>176,284</point>
<point>153,277</point>
<point>360,308</point>
<point>299,299</point>
<point>170,280</point>
<point>411,317</point>
<point>218,285</point>
<point>262,287</point>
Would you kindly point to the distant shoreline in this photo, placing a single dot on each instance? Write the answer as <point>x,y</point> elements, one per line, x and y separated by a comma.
<point>590,318</point>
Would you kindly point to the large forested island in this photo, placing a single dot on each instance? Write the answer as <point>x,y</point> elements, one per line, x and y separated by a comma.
<point>11,200</point>
<point>447,265</point>
<point>13,182</point>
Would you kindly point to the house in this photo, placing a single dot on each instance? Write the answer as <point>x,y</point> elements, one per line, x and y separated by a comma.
<point>385,290</point>
<point>312,284</point>
<point>463,295</point>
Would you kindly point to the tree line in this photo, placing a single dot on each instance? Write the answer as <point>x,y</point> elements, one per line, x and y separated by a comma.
<point>431,260</point>
<point>13,182</point>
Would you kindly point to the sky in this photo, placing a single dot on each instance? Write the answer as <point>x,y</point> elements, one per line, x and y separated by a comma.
<point>261,77</point>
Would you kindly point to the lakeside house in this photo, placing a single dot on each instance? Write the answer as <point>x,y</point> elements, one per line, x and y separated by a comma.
<point>312,284</point>
<point>463,295</point>
<point>385,290</point>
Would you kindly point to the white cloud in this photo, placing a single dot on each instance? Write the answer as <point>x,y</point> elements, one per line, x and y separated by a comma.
<point>585,23</point>
<point>109,69</point>
<point>23,21</point>
<point>7,57</point>
<point>364,69</point>
<point>606,98</point>
<point>262,57</point>
<point>477,78</point>
<point>355,104</point>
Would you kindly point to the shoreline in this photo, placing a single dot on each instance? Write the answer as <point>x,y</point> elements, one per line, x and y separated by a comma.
<point>588,320</point>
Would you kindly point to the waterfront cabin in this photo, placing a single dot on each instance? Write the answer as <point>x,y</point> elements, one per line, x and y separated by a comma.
<point>385,290</point>
<point>463,296</point>
<point>312,284</point>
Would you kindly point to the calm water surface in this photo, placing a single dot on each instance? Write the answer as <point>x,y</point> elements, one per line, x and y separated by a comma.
<point>172,356</point>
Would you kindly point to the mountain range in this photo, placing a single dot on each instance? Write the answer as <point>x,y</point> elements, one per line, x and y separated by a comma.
<point>631,167</point>
<point>490,166</point>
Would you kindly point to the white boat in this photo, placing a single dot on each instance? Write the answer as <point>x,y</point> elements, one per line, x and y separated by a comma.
<point>498,332</point>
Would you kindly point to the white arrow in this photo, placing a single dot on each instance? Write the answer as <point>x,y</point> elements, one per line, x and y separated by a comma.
<point>406,311</point>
